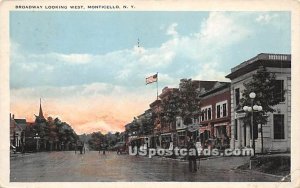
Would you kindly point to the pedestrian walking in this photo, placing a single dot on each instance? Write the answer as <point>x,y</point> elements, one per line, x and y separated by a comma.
<point>192,156</point>
<point>199,149</point>
<point>104,149</point>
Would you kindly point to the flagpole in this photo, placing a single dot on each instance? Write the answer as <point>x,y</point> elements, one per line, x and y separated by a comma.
<point>158,113</point>
<point>157,87</point>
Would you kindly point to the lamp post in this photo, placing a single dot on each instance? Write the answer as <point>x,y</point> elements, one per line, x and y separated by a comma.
<point>36,137</point>
<point>251,109</point>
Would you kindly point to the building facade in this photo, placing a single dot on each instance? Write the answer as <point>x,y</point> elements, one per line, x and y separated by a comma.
<point>215,116</point>
<point>274,136</point>
<point>17,132</point>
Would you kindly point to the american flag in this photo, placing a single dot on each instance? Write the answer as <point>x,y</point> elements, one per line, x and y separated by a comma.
<point>151,79</point>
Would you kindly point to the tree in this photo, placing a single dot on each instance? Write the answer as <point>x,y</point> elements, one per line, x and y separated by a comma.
<point>263,85</point>
<point>54,131</point>
<point>183,103</point>
<point>171,107</point>
<point>96,139</point>
<point>189,100</point>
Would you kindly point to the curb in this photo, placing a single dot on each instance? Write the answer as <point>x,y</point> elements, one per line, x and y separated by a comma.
<point>201,159</point>
<point>263,173</point>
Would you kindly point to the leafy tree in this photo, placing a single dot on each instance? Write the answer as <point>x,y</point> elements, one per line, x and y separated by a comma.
<point>97,138</point>
<point>54,131</point>
<point>171,107</point>
<point>263,85</point>
<point>189,100</point>
<point>148,123</point>
<point>184,103</point>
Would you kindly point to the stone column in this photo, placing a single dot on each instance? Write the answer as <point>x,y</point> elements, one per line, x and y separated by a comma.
<point>239,129</point>
<point>248,136</point>
<point>232,138</point>
<point>243,134</point>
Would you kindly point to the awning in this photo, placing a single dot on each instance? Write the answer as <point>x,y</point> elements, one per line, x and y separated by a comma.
<point>131,138</point>
<point>206,128</point>
<point>193,128</point>
<point>181,133</point>
<point>220,124</point>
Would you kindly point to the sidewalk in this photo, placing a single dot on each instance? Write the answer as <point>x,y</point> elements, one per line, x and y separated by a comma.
<point>276,164</point>
<point>19,154</point>
<point>218,162</point>
<point>269,164</point>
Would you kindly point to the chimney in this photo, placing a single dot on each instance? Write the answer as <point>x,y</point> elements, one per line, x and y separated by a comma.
<point>13,116</point>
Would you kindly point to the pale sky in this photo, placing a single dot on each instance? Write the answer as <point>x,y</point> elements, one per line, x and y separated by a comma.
<point>88,70</point>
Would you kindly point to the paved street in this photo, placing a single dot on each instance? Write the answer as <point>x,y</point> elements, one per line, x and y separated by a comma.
<point>94,167</point>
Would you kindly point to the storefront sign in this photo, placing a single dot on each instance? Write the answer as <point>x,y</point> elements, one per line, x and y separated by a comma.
<point>240,115</point>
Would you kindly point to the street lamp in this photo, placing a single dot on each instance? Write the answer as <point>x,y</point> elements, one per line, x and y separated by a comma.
<point>252,108</point>
<point>37,141</point>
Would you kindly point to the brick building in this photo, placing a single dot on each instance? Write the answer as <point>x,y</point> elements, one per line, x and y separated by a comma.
<point>215,116</point>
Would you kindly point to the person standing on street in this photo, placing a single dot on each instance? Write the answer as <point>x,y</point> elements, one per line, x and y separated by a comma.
<point>104,148</point>
<point>192,156</point>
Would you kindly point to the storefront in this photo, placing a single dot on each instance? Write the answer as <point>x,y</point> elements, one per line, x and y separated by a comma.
<point>222,135</point>
<point>181,138</point>
<point>205,135</point>
<point>166,139</point>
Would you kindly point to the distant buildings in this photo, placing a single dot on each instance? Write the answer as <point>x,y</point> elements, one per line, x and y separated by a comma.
<point>42,134</point>
<point>17,132</point>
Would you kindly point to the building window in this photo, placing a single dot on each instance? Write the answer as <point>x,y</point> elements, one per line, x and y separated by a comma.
<point>235,129</point>
<point>218,111</point>
<point>209,113</point>
<point>221,109</point>
<point>202,116</point>
<point>224,110</point>
<point>206,113</point>
<point>237,96</point>
<point>278,123</point>
<point>279,90</point>
<point>196,120</point>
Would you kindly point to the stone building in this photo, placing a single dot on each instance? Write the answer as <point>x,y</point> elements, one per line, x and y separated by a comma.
<point>276,134</point>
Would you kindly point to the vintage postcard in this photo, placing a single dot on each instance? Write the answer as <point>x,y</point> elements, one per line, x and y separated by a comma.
<point>111,92</point>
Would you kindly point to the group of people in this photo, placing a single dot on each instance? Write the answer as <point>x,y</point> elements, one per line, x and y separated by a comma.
<point>80,146</point>
<point>103,148</point>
